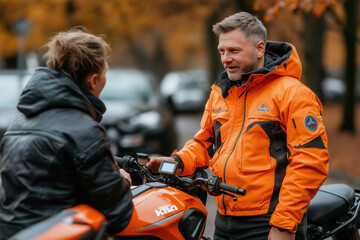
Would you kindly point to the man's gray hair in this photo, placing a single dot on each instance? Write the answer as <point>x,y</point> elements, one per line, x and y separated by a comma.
<point>253,28</point>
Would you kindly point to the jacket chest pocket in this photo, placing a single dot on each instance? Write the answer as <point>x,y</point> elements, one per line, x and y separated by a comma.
<point>255,150</point>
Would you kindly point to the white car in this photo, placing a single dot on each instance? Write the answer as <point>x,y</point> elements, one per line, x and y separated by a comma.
<point>135,118</point>
<point>11,85</point>
<point>186,91</point>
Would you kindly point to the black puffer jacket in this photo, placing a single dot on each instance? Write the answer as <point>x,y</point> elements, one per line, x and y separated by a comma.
<point>55,156</point>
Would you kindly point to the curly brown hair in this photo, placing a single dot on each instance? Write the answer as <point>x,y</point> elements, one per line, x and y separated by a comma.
<point>77,54</point>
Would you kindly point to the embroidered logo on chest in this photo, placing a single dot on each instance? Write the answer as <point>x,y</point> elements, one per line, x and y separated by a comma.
<point>263,108</point>
<point>220,110</point>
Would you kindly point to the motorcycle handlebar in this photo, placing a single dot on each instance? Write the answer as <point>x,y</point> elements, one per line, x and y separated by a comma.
<point>213,184</point>
<point>233,189</point>
<point>130,164</point>
<point>124,162</point>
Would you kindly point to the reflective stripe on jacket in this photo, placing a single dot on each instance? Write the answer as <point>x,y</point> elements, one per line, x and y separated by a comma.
<point>266,136</point>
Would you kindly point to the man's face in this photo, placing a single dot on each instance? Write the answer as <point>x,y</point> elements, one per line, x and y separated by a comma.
<point>238,54</point>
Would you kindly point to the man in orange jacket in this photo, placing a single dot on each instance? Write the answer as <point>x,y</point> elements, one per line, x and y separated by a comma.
<point>261,130</point>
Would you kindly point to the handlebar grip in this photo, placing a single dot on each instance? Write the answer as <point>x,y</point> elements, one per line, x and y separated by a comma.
<point>120,161</point>
<point>233,189</point>
<point>125,162</point>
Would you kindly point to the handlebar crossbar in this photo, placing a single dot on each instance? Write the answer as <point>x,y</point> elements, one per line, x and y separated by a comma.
<point>213,185</point>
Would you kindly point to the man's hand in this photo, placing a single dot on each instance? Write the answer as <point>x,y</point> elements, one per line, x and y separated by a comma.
<point>276,234</point>
<point>155,163</point>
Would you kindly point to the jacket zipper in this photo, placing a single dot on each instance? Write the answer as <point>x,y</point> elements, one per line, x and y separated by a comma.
<point>242,127</point>
<point>219,149</point>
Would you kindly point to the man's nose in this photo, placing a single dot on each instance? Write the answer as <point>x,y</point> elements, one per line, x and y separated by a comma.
<point>226,58</point>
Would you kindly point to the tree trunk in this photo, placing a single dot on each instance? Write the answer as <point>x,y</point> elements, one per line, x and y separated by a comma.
<point>348,122</point>
<point>214,57</point>
<point>215,66</point>
<point>314,71</point>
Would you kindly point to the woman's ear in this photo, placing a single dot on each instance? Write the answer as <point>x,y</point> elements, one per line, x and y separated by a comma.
<point>91,81</point>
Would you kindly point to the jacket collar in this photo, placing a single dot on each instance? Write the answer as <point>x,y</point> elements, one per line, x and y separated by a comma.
<point>48,89</point>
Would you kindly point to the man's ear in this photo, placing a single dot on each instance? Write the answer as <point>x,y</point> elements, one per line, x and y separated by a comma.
<point>91,81</point>
<point>260,47</point>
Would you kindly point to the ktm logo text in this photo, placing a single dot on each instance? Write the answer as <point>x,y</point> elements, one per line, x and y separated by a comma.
<point>165,209</point>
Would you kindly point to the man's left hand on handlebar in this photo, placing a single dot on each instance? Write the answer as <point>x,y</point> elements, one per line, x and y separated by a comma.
<point>155,162</point>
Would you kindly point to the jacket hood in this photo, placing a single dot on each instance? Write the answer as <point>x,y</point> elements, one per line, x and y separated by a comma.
<point>49,89</point>
<point>280,59</point>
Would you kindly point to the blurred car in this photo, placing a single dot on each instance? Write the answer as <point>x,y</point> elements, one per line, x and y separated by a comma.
<point>135,119</point>
<point>333,89</point>
<point>11,84</point>
<point>186,91</point>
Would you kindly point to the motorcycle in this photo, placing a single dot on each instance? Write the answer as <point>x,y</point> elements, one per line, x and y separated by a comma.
<point>172,207</point>
<point>334,212</point>
<point>165,207</point>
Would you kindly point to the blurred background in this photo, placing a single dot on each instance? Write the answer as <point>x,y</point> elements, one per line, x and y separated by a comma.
<point>164,59</point>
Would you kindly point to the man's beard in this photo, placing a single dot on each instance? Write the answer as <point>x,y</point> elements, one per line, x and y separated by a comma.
<point>246,68</point>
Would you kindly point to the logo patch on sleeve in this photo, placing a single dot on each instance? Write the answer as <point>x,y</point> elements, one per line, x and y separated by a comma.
<point>311,123</point>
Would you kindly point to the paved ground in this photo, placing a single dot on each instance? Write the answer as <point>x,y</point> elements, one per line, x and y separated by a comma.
<point>343,149</point>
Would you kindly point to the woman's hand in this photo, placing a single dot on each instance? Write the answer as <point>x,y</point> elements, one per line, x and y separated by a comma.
<point>126,175</point>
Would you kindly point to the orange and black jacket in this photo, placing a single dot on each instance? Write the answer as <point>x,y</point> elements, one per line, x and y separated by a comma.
<point>266,136</point>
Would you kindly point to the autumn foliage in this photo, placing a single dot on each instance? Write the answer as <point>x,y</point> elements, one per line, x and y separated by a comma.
<point>132,27</point>
<point>273,7</point>
<point>141,31</point>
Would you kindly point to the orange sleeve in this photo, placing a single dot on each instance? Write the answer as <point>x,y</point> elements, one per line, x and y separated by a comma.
<point>301,113</point>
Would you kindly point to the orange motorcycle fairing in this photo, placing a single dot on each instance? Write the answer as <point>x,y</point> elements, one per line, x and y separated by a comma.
<point>163,212</point>
<point>70,224</point>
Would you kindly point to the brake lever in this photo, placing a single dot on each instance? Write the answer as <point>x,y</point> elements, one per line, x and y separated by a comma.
<point>146,171</point>
<point>142,170</point>
<point>229,194</point>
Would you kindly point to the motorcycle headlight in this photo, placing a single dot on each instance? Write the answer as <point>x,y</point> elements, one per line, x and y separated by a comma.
<point>192,223</point>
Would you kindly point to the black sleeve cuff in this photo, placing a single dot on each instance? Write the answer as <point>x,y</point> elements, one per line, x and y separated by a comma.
<point>282,229</point>
<point>178,159</point>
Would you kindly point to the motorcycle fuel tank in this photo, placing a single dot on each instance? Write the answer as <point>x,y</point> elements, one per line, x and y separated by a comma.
<point>162,212</point>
